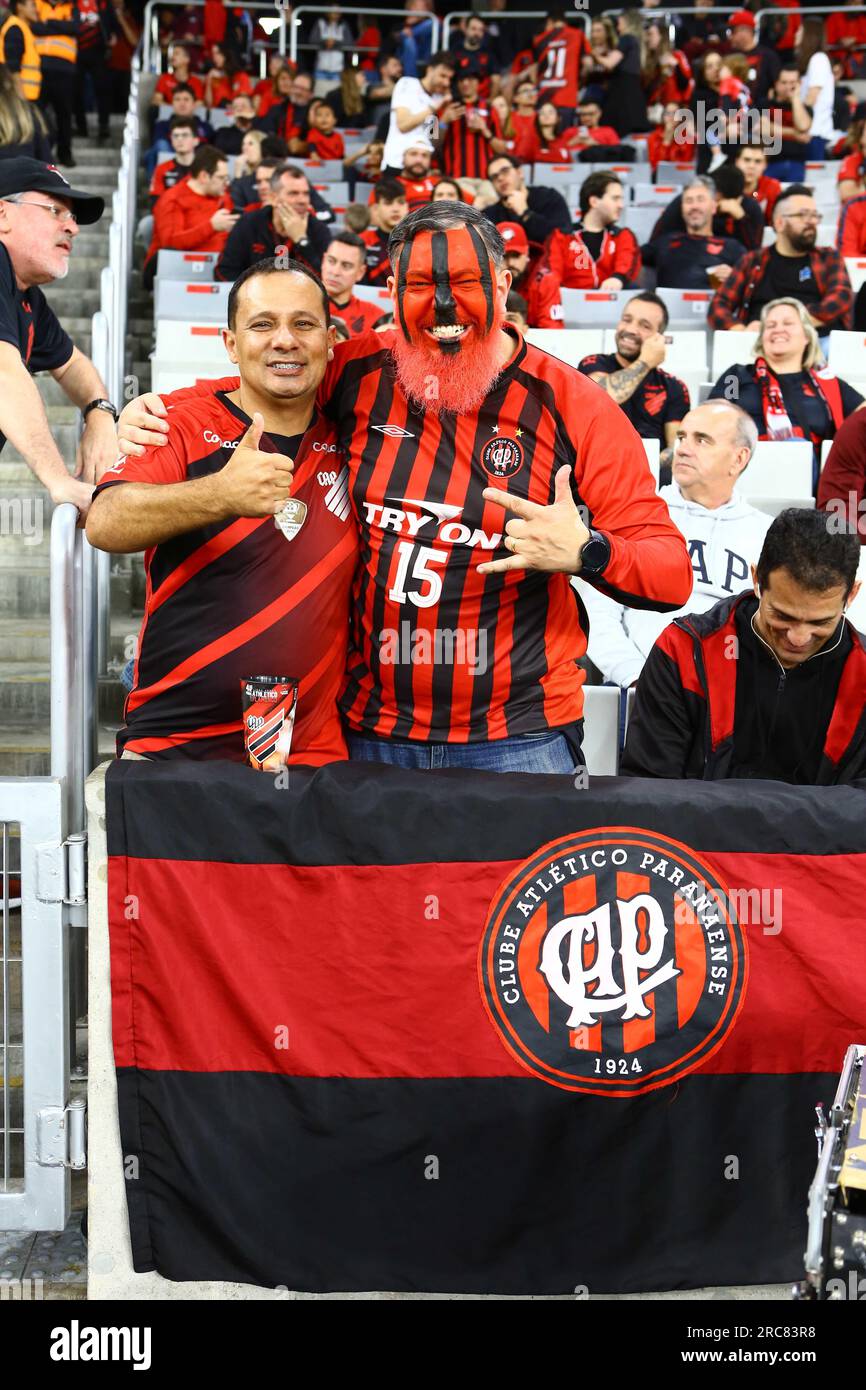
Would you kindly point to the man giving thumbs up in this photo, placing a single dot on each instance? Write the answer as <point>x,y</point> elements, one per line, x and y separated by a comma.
<point>244,517</point>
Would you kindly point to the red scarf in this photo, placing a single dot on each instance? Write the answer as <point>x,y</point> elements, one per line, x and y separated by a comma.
<point>777,422</point>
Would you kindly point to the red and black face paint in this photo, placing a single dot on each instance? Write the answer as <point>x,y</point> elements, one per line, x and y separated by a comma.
<point>445,281</point>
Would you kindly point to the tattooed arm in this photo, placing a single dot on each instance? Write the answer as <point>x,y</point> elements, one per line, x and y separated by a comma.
<point>621,385</point>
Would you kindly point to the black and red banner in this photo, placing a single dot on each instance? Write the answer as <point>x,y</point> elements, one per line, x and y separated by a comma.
<point>466,1033</point>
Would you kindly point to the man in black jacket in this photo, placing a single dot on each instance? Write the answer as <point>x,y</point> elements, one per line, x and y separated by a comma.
<point>769,684</point>
<point>736,214</point>
<point>540,211</point>
<point>290,223</point>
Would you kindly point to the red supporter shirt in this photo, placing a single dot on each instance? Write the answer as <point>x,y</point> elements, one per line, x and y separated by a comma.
<point>556,151</point>
<point>167,83</point>
<point>558,52</point>
<point>851,235</point>
<point>425,527</point>
<point>359,315</point>
<point>524,135</point>
<point>851,168</point>
<point>326,146</point>
<point>571,262</point>
<point>237,599</point>
<point>466,152</point>
<point>767,193</point>
<point>182,221</point>
<point>540,289</point>
<point>224,89</point>
<point>418,194</point>
<point>671,151</point>
<point>165,176</point>
<point>378,265</point>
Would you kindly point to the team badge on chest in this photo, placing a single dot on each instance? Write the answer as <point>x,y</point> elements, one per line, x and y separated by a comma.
<point>291,518</point>
<point>502,457</point>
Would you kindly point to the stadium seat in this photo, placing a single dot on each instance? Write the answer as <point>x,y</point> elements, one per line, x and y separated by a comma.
<point>847,353</point>
<point>601,729</point>
<point>857,609</point>
<point>186,265</point>
<point>626,172</point>
<point>584,308</point>
<point>826,234</point>
<point>570,345</point>
<point>826,446</point>
<point>730,347</point>
<point>558,176</point>
<point>189,346</point>
<point>362,192</point>
<point>779,468</point>
<point>653,451</point>
<point>203,302</point>
<point>774,505</point>
<point>686,308</point>
<point>640,221</point>
<point>333,193</point>
<point>322,170</point>
<point>374,294</point>
<point>768,236</point>
<point>219,117</point>
<point>674,173</point>
<point>856,268</point>
<point>686,352</point>
<point>656,195</point>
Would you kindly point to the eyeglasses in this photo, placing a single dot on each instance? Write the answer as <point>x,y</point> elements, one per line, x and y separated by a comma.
<point>60,214</point>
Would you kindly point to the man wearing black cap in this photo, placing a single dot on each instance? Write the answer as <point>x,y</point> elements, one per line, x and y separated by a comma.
<point>39,220</point>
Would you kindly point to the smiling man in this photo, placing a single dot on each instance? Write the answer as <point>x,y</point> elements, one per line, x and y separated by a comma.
<point>770,683</point>
<point>39,221</point>
<point>231,593</point>
<point>451,423</point>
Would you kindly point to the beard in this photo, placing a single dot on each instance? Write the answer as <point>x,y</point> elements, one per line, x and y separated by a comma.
<point>453,381</point>
<point>803,242</point>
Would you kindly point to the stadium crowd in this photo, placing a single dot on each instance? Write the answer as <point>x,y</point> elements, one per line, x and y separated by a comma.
<point>703,166</point>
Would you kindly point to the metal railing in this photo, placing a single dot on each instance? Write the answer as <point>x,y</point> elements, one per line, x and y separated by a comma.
<point>499,15</point>
<point>295,23</point>
<point>151,54</point>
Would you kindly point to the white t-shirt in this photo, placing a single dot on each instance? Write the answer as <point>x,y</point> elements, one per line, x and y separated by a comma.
<point>819,73</point>
<point>410,94</point>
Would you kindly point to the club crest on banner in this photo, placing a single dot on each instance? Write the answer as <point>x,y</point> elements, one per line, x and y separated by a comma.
<point>612,962</point>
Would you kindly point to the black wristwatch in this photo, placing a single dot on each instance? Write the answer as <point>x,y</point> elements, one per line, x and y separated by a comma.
<point>595,554</point>
<point>100,405</point>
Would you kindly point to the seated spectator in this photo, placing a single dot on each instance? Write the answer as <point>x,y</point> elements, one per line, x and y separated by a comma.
<point>343,266</point>
<point>288,118</point>
<point>851,172</point>
<point>417,180</point>
<point>274,88</point>
<point>597,254</point>
<point>666,142</point>
<point>415,108</point>
<point>764,63</point>
<point>695,259</point>
<point>387,209</point>
<point>842,481</point>
<point>851,232</point>
<point>539,210</point>
<point>784,390</point>
<point>817,84</point>
<point>789,124</point>
<point>734,214</point>
<point>625,103</point>
<point>195,215</point>
<point>517,311</point>
<point>751,161</point>
<point>593,141</point>
<point>667,72</point>
<point>330,37</point>
<point>365,166</point>
<point>793,268</point>
<point>179,71</point>
<point>357,218</point>
<point>519,129</point>
<point>349,101</point>
<point>226,80</point>
<point>538,285</point>
<point>288,223</point>
<point>552,144</point>
<point>653,400</point>
<point>845,32</point>
<point>242,189</point>
<point>723,533</point>
<point>324,141</point>
<point>230,138</point>
<point>790,707</point>
<point>254,189</point>
<point>472,133</point>
<point>184,143</point>
<point>183,103</point>
<point>450,191</point>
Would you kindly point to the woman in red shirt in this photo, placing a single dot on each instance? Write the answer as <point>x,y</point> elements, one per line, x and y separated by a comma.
<point>274,88</point>
<point>225,81</point>
<point>662,143</point>
<point>667,74</point>
<point>851,180</point>
<point>519,129</point>
<point>552,144</point>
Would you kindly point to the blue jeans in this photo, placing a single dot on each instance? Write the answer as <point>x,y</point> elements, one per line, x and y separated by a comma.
<point>787,170</point>
<point>527,753</point>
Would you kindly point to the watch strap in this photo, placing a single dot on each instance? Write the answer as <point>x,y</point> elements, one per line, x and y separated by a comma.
<point>100,404</point>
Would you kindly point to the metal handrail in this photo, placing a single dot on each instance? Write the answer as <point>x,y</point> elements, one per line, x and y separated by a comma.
<point>73,660</point>
<point>150,30</point>
<point>326,9</point>
<point>499,15</point>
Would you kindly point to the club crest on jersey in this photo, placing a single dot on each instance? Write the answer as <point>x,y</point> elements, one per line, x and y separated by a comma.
<point>291,518</point>
<point>612,962</point>
<point>502,457</point>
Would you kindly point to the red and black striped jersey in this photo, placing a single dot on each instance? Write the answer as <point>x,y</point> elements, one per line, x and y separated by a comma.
<point>238,599</point>
<point>558,52</point>
<point>359,315</point>
<point>378,265</point>
<point>466,152</point>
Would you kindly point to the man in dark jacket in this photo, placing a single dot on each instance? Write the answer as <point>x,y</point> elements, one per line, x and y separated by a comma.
<point>290,223</point>
<point>539,210</point>
<point>769,684</point>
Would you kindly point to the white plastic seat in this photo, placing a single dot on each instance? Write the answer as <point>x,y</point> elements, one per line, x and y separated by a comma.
<point>856,268</point>
<point>555,175</point>
<point>570,345</point>
<point>203,300</point>
<point>656,195</point>
<point>640,221</point>
<point>674,173</point>
<point>374,295</point>
<point>774,505</point>
<point>332,193</point>
<point>779,468</point>
<point>186,265</point>
<point>729,348</point>
<point>585,308</point>
<point>847,354</point>
<point>601,730</point>
<point>322,170</point>
<point>687,351</point>
<point>686,308</point>
<point>653,453</point>
<point>190,342</point>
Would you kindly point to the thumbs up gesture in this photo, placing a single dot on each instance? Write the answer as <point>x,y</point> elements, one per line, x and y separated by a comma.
<point>540,538</point>
<point>255,483</point>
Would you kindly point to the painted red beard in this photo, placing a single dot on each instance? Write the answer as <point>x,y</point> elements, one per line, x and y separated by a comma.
<point>453,381</point>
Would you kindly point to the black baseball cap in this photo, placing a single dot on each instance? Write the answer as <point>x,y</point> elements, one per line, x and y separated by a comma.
<point>24,175</point>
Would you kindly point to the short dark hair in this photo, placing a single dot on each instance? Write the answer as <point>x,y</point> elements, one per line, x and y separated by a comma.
<point>388,190</point>
<point>274,147</point>
<point>595,186</point>
<point>509,159</point>
<point>813,549</point>
<point>650,297</point>
<point>179,122</point>
<point>443,59</point>
<point>182,87</point>
<point>206,160</point>
<point>348,238</point>
<point>274,266</point>
<point>729,180</point>
<point>516,304</point>
<point>444,217</point>
<point>293,171</point>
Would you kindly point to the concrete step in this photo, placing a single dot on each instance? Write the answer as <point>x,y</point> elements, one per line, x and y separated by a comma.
<point>28,641</point>
<point>25,751</point>
<point>82,301</point>
<point>24,590</point>
<point>25,695</point>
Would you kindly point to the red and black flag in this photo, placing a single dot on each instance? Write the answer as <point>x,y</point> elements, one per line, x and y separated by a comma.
<point>454,1032</point>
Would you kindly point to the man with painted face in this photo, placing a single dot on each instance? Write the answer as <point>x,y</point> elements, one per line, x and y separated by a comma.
<point>484,474</point>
